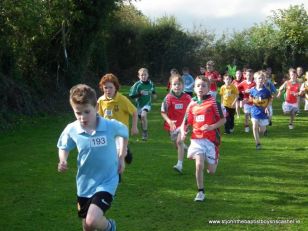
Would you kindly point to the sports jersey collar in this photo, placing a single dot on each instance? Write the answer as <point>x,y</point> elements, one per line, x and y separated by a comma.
<point>177,96</point>
<point>145,82</point>
<point>100,125</point>
<point>203,98</point>
<point>115,98</point>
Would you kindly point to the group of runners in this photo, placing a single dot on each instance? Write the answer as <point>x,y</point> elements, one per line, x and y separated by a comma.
<point>101,130</point>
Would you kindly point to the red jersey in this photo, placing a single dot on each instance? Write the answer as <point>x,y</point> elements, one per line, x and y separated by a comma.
<point>291,89</point>
<point>198,114</point>
<point>175,107</point>
<point>215,76</point>
<point>243,86</point>
<point>236,83</point>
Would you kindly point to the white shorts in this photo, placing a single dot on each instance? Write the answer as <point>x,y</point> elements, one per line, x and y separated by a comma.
<point>306,105</point>
<point>203,147</point>
<point>260,122</point>
<point>174,134</point>
<point>247,108</point>
<point>144,108</point>
<point>288,107</point>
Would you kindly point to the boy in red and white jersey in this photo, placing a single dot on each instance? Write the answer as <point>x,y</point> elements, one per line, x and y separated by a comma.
<point>292,88</point>
<point>238,79</point>
<point>205,116</point>
<point>213,76</point>
<point>244,89</point>
<point>173,109</point>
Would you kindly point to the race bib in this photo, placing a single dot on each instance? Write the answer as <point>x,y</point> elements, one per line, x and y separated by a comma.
<point>178,106</point>
<point>108,113</point>
<point>200,118</point>
<point>98,141</point>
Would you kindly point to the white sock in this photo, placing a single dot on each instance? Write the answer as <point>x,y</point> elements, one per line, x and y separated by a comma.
<point>180,163</point>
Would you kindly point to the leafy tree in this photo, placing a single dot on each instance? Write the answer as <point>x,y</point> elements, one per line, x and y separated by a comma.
<point>292,25</point>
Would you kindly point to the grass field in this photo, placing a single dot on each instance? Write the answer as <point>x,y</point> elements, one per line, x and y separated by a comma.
<point>267,185</point>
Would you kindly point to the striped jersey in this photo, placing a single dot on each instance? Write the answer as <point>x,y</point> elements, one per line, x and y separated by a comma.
<point>199,113</point>
<point>142,93</point>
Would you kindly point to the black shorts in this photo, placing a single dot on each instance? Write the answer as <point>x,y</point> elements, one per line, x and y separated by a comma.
<point>101,199</point>
<point>240,96</point>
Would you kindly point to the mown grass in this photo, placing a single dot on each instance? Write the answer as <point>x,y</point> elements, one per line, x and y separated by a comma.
<point>270,184</point>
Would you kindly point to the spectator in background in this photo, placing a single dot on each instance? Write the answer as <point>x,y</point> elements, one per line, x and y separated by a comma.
<point>188,81</point>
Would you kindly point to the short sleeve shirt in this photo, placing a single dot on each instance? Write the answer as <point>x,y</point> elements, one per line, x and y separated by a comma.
<point>200,113</point>
<point>175,107</point>
<point>97,158</point>
<point>144,99</point>
<point>261,99</point>
<point>229,95</point>
<point>119,108</point>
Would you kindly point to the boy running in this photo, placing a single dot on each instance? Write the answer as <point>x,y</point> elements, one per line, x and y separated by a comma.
<point>143,91</point>
<point>173,110</point>
<point>292,88</point>
<point>98,162</point>
<point>205,116</point>
<point>229,96</point>
<point>261,98</point>
<point>244,88</point>
<point>113,105</point>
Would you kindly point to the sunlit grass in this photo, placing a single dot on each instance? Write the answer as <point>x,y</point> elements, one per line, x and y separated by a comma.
<point>270,184</point>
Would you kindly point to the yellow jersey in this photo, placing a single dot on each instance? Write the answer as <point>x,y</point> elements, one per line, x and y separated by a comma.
<point>228,95</point>
<point>118,108</point>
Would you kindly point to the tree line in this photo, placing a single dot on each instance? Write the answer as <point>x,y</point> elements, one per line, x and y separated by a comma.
<point>46,46</point>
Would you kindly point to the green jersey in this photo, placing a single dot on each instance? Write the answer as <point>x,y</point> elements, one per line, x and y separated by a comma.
<point>142,93</point>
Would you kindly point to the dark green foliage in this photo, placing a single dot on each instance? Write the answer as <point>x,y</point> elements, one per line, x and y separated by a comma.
<point>47,46</point>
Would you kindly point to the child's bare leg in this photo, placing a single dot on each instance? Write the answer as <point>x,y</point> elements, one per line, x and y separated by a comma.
<point>144,120</point>
<point>180,147</point>
<point>255,129</point>
<point>199,160</point>
<point>262,129</point>
<point>246,119</point>
<point>237,106</point>
<point>95,219</point>
<point>211,168</point>
<point>292,116</point>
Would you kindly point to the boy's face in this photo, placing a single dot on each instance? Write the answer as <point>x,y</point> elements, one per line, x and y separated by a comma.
<point>209,67</point>
<point>238,75</point>
<point>143,76</point>
<point>85,114</point>
<point>201,88</point>
<point>293,75</point>
<point>299,71</point>
<point>176,86</point>
<point>109,89</point>
<point>227,80</point>
<point>249,75</point>
<point>259,80</point>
